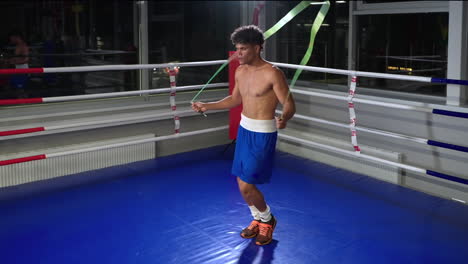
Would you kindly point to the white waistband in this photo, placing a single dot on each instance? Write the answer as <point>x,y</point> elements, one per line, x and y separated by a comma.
<point>255,125</point>
<point>22,66</point>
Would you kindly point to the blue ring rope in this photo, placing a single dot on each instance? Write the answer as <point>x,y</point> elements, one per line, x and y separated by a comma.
<point>449,113</point>
<point>446,145</point>
<point>449,81</point>
<point>447,177</point>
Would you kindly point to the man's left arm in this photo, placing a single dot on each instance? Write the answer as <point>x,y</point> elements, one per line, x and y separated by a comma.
<point>281,89</point>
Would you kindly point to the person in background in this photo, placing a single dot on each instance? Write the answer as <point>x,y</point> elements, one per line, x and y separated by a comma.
<point>20,60</point>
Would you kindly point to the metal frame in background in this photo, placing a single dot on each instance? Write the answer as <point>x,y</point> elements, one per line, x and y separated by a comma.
<point>457,41</point>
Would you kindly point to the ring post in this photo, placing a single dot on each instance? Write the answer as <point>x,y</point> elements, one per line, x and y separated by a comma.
<point>234,113</point>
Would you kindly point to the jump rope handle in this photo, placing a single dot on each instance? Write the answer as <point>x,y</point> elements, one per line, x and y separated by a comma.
<point>202,113</point>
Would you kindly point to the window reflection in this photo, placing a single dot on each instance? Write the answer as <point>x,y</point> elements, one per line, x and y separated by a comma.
<point>407,44</point>
<point>330,46</point>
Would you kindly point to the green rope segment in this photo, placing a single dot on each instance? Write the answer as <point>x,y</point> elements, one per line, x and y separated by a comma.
<point>270,32</point>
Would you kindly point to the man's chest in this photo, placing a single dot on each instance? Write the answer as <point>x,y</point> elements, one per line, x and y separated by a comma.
<point>255,87</point>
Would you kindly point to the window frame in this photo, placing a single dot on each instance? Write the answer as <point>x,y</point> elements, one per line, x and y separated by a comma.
<point>362,8</point>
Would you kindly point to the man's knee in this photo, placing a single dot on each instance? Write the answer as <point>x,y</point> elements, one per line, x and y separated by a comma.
<point>246,189</point>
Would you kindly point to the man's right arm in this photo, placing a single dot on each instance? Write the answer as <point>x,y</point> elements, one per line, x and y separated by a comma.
<point>228,102</point>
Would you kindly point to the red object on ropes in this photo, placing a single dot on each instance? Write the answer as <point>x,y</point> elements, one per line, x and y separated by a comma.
<point>256,13</point>
<point>21,131</point>
<point>21,71</point>
<point>21,101</point>
<point>234,113</point>
<point>21,160</point>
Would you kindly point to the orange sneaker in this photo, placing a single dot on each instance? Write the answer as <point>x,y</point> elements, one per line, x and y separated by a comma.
<point>251,230</point>
<point>265,233</point>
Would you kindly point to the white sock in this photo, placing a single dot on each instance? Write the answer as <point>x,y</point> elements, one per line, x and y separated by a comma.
<point>255,212</point>
<point>265,216</point>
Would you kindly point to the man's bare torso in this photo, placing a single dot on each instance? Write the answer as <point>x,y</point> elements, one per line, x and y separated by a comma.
<point>255,85</point>
<point>22,50</point>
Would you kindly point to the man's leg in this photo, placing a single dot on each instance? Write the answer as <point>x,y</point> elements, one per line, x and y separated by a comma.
<point>245,190</point>
<point>264,228</point>
<point>252,195</point>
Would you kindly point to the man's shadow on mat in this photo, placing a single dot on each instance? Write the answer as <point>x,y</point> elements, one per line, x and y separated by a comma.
<point>250,252</point>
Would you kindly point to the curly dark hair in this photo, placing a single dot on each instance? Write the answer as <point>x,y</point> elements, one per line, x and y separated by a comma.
<point>250,34</point>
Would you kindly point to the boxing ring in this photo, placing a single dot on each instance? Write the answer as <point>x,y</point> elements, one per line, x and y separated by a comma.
<point>185,207</point>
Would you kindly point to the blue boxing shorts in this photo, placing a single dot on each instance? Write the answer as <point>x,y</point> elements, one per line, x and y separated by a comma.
<point>19,81</point>
<point>255,150</point>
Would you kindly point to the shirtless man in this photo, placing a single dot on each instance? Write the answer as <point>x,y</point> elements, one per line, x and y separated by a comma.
<point>260,86</point>
<point>20,60</point>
